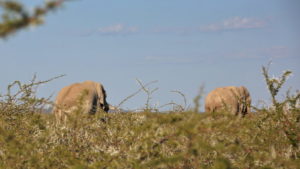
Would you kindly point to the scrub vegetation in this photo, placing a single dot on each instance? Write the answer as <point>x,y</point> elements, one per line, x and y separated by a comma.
<point>182,138</point>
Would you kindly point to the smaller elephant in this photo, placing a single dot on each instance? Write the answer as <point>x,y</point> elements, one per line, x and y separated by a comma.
<point>235,100</point>
<point>86,97</point>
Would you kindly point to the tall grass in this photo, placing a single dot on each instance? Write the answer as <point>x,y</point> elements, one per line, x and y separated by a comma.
<point>268,138</point>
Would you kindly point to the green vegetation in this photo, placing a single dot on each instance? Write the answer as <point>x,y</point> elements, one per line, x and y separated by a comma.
<point>268,138</point>
<point>15,16</point>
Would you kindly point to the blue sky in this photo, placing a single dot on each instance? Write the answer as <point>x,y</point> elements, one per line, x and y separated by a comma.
<point>182,44</point>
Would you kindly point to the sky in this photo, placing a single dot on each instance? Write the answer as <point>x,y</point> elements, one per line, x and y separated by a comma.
<point>182,45</point>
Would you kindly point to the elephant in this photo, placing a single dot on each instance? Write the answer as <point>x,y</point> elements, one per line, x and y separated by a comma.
<point>86,97</point>
<point>235,100</point>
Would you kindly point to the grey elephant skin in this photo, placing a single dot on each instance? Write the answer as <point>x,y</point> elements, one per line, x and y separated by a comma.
<point>89,96</point>
<point>235,100</point>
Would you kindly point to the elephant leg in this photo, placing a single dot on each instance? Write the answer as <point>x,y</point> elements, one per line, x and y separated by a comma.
<point>93,106</point>
<point>235,109</point>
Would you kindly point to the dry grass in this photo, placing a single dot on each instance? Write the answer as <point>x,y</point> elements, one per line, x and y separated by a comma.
<point>268,138</point>
<point>150,140</point>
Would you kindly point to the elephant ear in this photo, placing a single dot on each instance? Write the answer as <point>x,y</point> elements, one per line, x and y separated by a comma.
<point>247,95</point>
<point>101,93</point>
<point>245,91</point>
<point>247,99</point>
<point>102,97</point>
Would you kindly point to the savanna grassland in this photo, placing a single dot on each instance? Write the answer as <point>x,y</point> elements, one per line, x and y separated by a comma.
<point>267,138</point>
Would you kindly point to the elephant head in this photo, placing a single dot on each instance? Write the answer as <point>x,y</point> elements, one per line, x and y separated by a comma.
<point>233,99</point>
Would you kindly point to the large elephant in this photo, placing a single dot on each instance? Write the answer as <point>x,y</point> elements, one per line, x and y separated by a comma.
<point>235,100</point>
<point>86,97</point>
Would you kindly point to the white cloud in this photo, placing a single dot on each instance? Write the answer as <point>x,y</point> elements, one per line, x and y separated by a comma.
<point>235,23</point>
<point>112,29</point>
<point>117,29</point>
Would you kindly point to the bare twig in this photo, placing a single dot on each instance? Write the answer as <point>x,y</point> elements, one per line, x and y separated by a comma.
<point>25,97</point>
<point>135,93</point>
<point>183,96</point>
<point>198,98</point>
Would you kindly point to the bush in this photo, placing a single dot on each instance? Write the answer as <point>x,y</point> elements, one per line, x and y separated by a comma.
<point>268,138</point>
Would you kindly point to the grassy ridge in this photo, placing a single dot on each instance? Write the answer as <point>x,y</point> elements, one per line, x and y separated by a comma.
<point>151,140</point>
